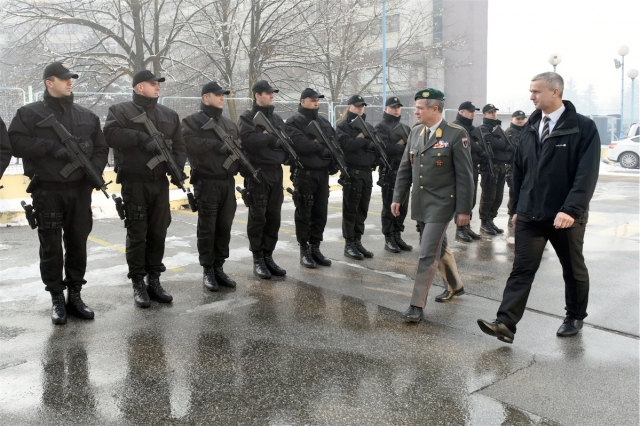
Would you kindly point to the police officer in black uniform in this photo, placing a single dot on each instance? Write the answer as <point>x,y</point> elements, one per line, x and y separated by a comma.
<point>311,184</point>
<point>464,119</point>
<point>212,176</point>
<point>265,153</point>
<point>518,119</point>
<point>493,186</point>
<point>62,205</point>
<point>145,191</point>
<point>5,148</point>
<point>361,158</point>
<point>392,226</point>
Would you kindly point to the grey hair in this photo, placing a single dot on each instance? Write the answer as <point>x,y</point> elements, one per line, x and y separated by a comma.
<point>552,79</point>
<point>435,102</point>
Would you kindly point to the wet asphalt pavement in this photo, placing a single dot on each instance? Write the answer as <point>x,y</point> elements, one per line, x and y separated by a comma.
<point>324,346</point>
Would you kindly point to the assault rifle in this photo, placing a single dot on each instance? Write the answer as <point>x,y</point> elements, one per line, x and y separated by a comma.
<point>234,146</point>
<point>486,145</point>
<point>76,154</point>
<point>314,130</point>
<point>498,132</point>
<point>399,133</point>
<point>177,175</point>
<point>359,124</point>
<point>260,120</point>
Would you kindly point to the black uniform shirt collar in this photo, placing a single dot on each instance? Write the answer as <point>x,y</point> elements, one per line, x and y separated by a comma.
<point>390,118</point>
<point>268,111</point>
<point>516,127</point>
<point>144,102</point>
<point>467,122</point>
<point>311,114</point>
<point>352,116</point>
<point>491,122</point>
<point>211,111</point>
<point>60,105</point>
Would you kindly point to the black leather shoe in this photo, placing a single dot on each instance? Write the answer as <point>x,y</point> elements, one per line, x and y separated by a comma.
<point>306,259</point>
<point>209,279</point>
<point>140,295</point>
<point>75,306</point>
<point>273,267</point>
<point>156,292</point>
<point>510,221</point>
<point>222,278</point>
<point>366,253</point>
<point>493,225</point>
<point>390,244</point>
<point>351,251</point>
<point>446,295</point>
<point>318,256</point>
<point>570,327</point>
<point>487,228</point>
<point>471,233</point>
<point>413,314</point>
<point>496,329</point>
<point>461,234</point>
<point>401,243</point>
<point>58,311</point>
<point>259,267</point>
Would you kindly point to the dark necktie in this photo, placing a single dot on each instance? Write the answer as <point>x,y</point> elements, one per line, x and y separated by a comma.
<point>545,129</point>
<point>426,138</point>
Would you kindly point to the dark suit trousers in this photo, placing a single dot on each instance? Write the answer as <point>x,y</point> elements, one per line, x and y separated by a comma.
<point>531,238</point>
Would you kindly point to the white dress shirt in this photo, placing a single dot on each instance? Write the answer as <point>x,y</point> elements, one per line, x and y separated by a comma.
<point>553,120</point>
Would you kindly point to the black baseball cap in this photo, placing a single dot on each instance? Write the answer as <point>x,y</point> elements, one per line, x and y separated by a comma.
<point>469,106</point>
<point>214,87</point>
<point>310,93</point>
<point>145,75</point>
<point>58,69</point>
<point>489,108</point>
<point>519,114</point>
<point>262,86</point>
<point>392,101</point>
<point>356,100</point>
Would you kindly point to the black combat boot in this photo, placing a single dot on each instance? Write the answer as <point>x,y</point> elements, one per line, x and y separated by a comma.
<point>209,279</point>
<point>58,312</point>
<point>471,233</point>
<point>140,295</point>
<point>273,266</point>
<point>222,278</point>
<point>486,227</point>
<point>155,290</point>
<point>75,305</point>
<point>366,253</point>
<point>259,267</point>
<point>351,251</point>
<point>390,244</point>
<point>461,234</point>
<point>306,259</point>
<point>401,243</point>
<point>493,225</point>
<point>318,256</point>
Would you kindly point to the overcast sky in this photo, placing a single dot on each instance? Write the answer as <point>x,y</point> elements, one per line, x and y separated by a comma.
<point>587,33</point>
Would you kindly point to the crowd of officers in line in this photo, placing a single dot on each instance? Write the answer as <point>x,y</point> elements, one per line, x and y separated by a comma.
<point>61,192</point>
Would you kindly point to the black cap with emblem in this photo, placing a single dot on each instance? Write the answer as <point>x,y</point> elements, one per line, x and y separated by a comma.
<point>214,87</point>
<point>393,101</point>
<point>489,108</point>
<point>356,100</point>
<point>262,86</point>
<point>310,93</point>
<point>58,69</point>
<point>145,75</point>
<point>519,114</point>
<point>469,106</point>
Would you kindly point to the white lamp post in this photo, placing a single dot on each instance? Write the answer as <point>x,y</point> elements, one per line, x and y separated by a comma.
<point>622,51</point>
<point>554,60</point>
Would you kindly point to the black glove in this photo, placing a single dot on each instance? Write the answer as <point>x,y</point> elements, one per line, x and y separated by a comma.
<point>274,142</point>
<point>224,150</point>
<point>325,153</point>
<point>152,147</point>
<point>371,147</point>
<point>143,138</point>
<point>62,154</point>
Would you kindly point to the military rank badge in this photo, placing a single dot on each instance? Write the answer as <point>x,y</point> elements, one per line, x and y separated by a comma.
<point>438,133</point>
<point>465,143</point>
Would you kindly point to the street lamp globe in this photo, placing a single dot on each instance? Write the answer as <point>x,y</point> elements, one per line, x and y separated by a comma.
<point>632,73</point>
<point>623,50</point>
<point>554,60</point>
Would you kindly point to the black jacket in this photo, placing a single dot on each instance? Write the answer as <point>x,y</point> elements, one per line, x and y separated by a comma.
<point>502,152</point>
<point>393,149</point>
<point>37,146</point>
<point>513,133</point>
<point>356,152</point>
<point>478,154</point>
<point>309,150</point>
<point>203,146</point>
<point>5,148</point>
<point>127,139</point>
<point>258,146</point>
<point>559,175</point>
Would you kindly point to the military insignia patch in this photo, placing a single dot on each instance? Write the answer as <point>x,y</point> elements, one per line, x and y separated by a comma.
<point>439,163</point>
<point>465,142</point>
<point>439,133</point>
<point>425,94</point>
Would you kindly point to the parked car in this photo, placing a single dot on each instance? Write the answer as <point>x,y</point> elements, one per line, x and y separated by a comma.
<point>626,152</point>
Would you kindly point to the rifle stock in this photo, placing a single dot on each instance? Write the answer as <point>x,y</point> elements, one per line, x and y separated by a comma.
<point>486,145</point>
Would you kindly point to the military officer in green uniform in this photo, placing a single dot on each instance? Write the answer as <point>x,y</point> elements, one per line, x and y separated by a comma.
<point>438,163</point>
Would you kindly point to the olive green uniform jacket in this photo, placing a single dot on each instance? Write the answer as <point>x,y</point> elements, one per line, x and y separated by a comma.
<point>440,170</point>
